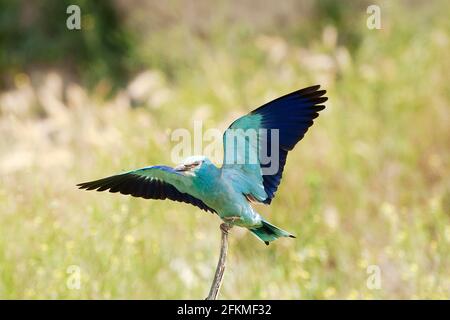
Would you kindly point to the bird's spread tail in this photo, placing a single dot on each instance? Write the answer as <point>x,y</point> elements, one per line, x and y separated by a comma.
<point>268,232</point>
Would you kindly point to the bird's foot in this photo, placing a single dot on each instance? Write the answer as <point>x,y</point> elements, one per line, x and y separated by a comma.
<point>228,223</point>
<point>225,227</point>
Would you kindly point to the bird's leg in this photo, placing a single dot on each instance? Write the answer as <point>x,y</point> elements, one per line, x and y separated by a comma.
<point>230,220</point>
<point>220,269</point>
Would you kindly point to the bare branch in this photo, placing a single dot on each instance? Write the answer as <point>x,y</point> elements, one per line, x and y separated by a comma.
<point>220,269</point>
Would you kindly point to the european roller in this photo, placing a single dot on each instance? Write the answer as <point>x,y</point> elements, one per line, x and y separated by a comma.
<point>255,152</point>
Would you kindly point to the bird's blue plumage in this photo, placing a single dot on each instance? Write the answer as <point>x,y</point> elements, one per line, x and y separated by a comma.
<point>291,115</point>
<point>154,182</point>
<point>245,176</point>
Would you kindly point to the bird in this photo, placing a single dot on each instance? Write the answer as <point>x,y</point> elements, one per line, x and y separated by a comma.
<point>230,190</point>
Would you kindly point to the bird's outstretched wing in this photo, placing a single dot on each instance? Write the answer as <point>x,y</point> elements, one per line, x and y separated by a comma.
<point>155,182</point>
<point>292,115</point>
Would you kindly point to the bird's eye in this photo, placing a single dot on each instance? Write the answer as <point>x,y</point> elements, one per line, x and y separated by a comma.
<point>192,165</point>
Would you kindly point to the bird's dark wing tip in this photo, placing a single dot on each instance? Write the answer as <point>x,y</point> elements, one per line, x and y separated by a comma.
<point>266,242</point>
<point>313,94</point>
<point>82,185</point>
<point>309,89</point>
<point>292,236</point>
<point>91,185</point>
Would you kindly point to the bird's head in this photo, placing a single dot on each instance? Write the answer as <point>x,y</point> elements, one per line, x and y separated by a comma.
<point>195,166</point>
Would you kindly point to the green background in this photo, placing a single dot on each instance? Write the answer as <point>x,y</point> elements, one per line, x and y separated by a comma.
<point>368,185</point>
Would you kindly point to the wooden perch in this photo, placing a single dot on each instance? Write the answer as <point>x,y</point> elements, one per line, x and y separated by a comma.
<point>220,269</point>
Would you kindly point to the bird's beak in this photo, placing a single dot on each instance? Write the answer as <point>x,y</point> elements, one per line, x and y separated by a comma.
<point>181,168</point>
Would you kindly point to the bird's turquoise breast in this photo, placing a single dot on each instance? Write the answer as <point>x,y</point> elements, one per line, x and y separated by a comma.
<point>227,202</point>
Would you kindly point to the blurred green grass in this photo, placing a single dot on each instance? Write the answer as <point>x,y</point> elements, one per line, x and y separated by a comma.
<point>369,184</point>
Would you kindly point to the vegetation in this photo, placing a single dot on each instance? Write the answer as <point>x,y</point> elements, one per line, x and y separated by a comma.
<point>368,185</point>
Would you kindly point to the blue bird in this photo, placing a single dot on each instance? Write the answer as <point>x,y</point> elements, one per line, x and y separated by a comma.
<point>245,176</point>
